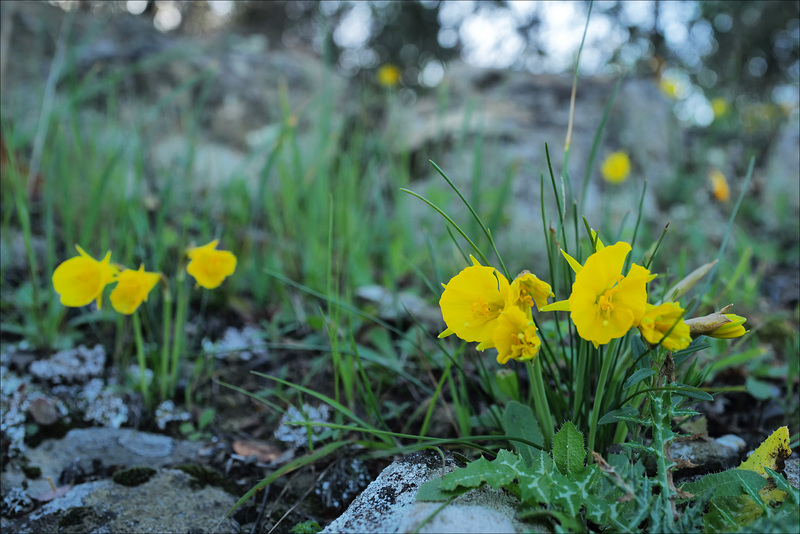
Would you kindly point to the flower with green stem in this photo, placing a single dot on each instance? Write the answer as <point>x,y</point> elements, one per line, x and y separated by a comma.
<point>665,320</point>
<point>81,279</point>
<point>209,266</point>
<point>132,289</point>
<point>604,304</point>
<point>472,302</point>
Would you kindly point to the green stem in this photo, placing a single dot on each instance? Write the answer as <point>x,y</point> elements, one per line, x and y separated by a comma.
<point>140,356</point>
<point>540,404</point>
<point>177,340</point>
<point>164,379</point>
<point>662,435</point>
<point>598,399</point>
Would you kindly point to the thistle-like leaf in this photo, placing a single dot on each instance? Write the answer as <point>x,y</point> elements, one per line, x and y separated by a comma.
<point>568,451</point>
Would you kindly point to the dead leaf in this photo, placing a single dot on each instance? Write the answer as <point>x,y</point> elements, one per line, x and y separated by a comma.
<point>263,452</point>
<point>53,493</point>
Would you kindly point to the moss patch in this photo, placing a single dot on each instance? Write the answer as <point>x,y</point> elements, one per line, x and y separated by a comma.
<point>134,476</point>
<point>203,476</point>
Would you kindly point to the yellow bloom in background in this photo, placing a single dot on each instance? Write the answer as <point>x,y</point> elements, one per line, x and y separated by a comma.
<point>132,289</point>
<point>616,167</point>
<point>658,320</point>
<point>735,328</point>
<point>515,336</point>
<point>209,266</point>
<point>669,87</point>
<point>604,304</point>
<point>81,279</point>
<point>388,75</point>
<point>719,186</point>
<point>472,302</point>
<point>719,106</point>
<point>527,290</point>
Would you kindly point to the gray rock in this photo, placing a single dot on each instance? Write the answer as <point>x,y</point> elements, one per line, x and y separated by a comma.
<point>113,446</point>
<point>71,366</point>
<point>166,503</point>
<point>389,503</point>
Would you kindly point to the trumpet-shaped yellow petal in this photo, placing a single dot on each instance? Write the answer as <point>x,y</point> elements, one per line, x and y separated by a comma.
<point>132,289</point>
<point>605,304</point>
<point>658,320</point>
<point>81,279</point>
<point>515,336</point>
<point>527,290</point>
<point>472,302</point>
<point>209,266</point>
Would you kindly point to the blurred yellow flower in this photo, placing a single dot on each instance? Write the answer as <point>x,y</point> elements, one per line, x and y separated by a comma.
<point>719,106</point>
<point>616,167</point>
<point>81,279</point>
<point>515,336</point>
<point>209,266</point>
<point>658,320</point>
<point>604,304</point>
<point>472,302</point>
<point>732,329</point>
<point>719,186</point>
<point>669,87</point>
<point>527,290</point>
<point>388,75</point>
<point>132,289</point>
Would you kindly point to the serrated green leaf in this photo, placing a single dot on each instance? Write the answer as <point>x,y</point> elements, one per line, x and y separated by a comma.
<point>568,451</point>
<point>637,377</point>
<point>496,473</point>
<point>728,483</point>
<point>519,422</point>
<point>432,491</point>
<point>730,514</point>
<point>535,482</point>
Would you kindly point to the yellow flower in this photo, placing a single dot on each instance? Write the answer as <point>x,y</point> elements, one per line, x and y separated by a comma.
<point>209,266</point>
<point>527,290</point>
<point>719,106</point>
<point>732,329</point>
<point>669,87</point>
<point>81,279</point>
<point>719,186</point>
<point>616,167</point>
<point>132,289</point>
<point>658,320</point>
<point>472,302</point>
<point>388,75</point>
<point>515,336</point>
<point>604,304</point>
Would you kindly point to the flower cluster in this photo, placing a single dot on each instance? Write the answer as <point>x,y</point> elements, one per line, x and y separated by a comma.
<point>82,279</point>
<point>479,304</point>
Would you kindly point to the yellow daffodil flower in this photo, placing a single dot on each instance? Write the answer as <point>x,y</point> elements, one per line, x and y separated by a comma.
<point>132,289</point>
<point>604,304</point>
<point>658,320</point>
<point>616,167</point>
<point>472,302</point>
<point>527,290</point>
<point>515,336</point>
<point>209,266</point>
<point>388,75</point>
<point>719,186</point>
<point>81,279</point>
